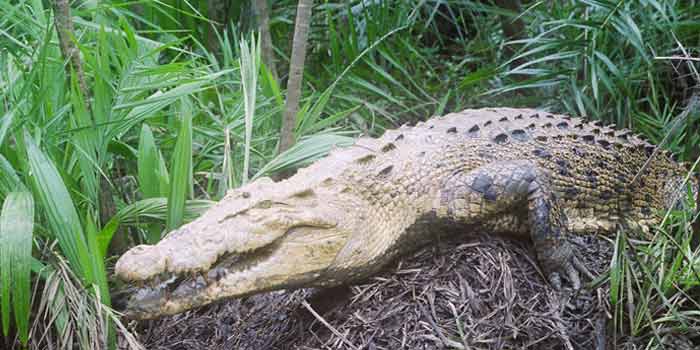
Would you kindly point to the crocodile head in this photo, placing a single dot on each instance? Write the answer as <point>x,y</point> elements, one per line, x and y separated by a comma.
<point>260,237</point>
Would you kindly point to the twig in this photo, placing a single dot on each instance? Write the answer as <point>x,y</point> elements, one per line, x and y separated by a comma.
<point>443,339</point>
<point>328,325</point>
<point>678,58</point>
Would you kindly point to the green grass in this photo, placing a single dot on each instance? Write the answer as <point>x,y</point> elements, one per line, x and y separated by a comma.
<point>170,125</point>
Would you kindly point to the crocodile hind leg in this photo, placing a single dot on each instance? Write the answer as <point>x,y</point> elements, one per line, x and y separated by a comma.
<point>521,188</point>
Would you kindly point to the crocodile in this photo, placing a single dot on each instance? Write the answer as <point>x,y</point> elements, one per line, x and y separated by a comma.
<point>517,172</point>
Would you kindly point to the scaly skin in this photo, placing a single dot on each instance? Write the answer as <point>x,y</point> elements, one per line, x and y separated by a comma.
<point>514,171</point>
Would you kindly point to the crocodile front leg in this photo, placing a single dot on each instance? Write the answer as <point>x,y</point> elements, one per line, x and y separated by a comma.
<point>518,188</point>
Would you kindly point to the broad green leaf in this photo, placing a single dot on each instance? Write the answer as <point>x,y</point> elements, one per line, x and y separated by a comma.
<point>58,207</point>
<point>9,181</point>
<point>478,76</point>
<point>148,166</point>
<point>97,259</point>
<point>181,181</point>
<point>104,236</point>
<point>84,142</point>
<point>202,83</point>
<point>163,177</point>
<point>16,226</point>
<point>307,117</point>
<point>156,210</point>
<point>443,103</point>
<point>304,152</point>
<point>5,123</point>
<point>616,268</point>
<point>331,120</point>
<point>270,87</point>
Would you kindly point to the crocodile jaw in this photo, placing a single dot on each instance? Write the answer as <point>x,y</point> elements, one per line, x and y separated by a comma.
<point>298,258</point>
<point>260,237</point>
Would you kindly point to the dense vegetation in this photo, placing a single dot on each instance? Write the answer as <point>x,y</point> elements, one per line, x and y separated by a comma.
<point>178,108</point>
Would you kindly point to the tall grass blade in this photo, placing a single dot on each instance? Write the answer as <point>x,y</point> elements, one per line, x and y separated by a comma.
<point>249,63</point>
<point>16,227</point>
<point>304,152</point>
<point>149,173</point>
<point>147,164</point>
<point>62,217</point>
<point>156,210</point>
<point>181,181</point>
<point>5,123</point>
<point>9,181</point>
<point>84,142</point>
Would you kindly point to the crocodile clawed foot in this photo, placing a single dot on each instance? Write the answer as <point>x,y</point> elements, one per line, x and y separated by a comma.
<point>571,274</point>
<point>571,268</point>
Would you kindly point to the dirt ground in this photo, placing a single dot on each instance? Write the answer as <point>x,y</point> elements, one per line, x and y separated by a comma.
<point>486,293</point>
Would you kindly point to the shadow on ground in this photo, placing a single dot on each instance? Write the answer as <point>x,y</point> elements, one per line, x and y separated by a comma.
<point>482,294</point>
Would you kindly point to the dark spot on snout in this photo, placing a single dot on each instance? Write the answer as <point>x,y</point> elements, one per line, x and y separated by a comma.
<point>388,147</point>
<point>386,170</point>
<point>304,193</point>
<point>365,159</point>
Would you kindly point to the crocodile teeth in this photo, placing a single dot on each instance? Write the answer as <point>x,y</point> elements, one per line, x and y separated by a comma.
<point>199,281</point>
<point>216,274</point>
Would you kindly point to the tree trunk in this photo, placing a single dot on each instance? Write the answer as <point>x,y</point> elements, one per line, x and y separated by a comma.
<point>262,16</point>
<point>296,73</point>
<point>64,27</point>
